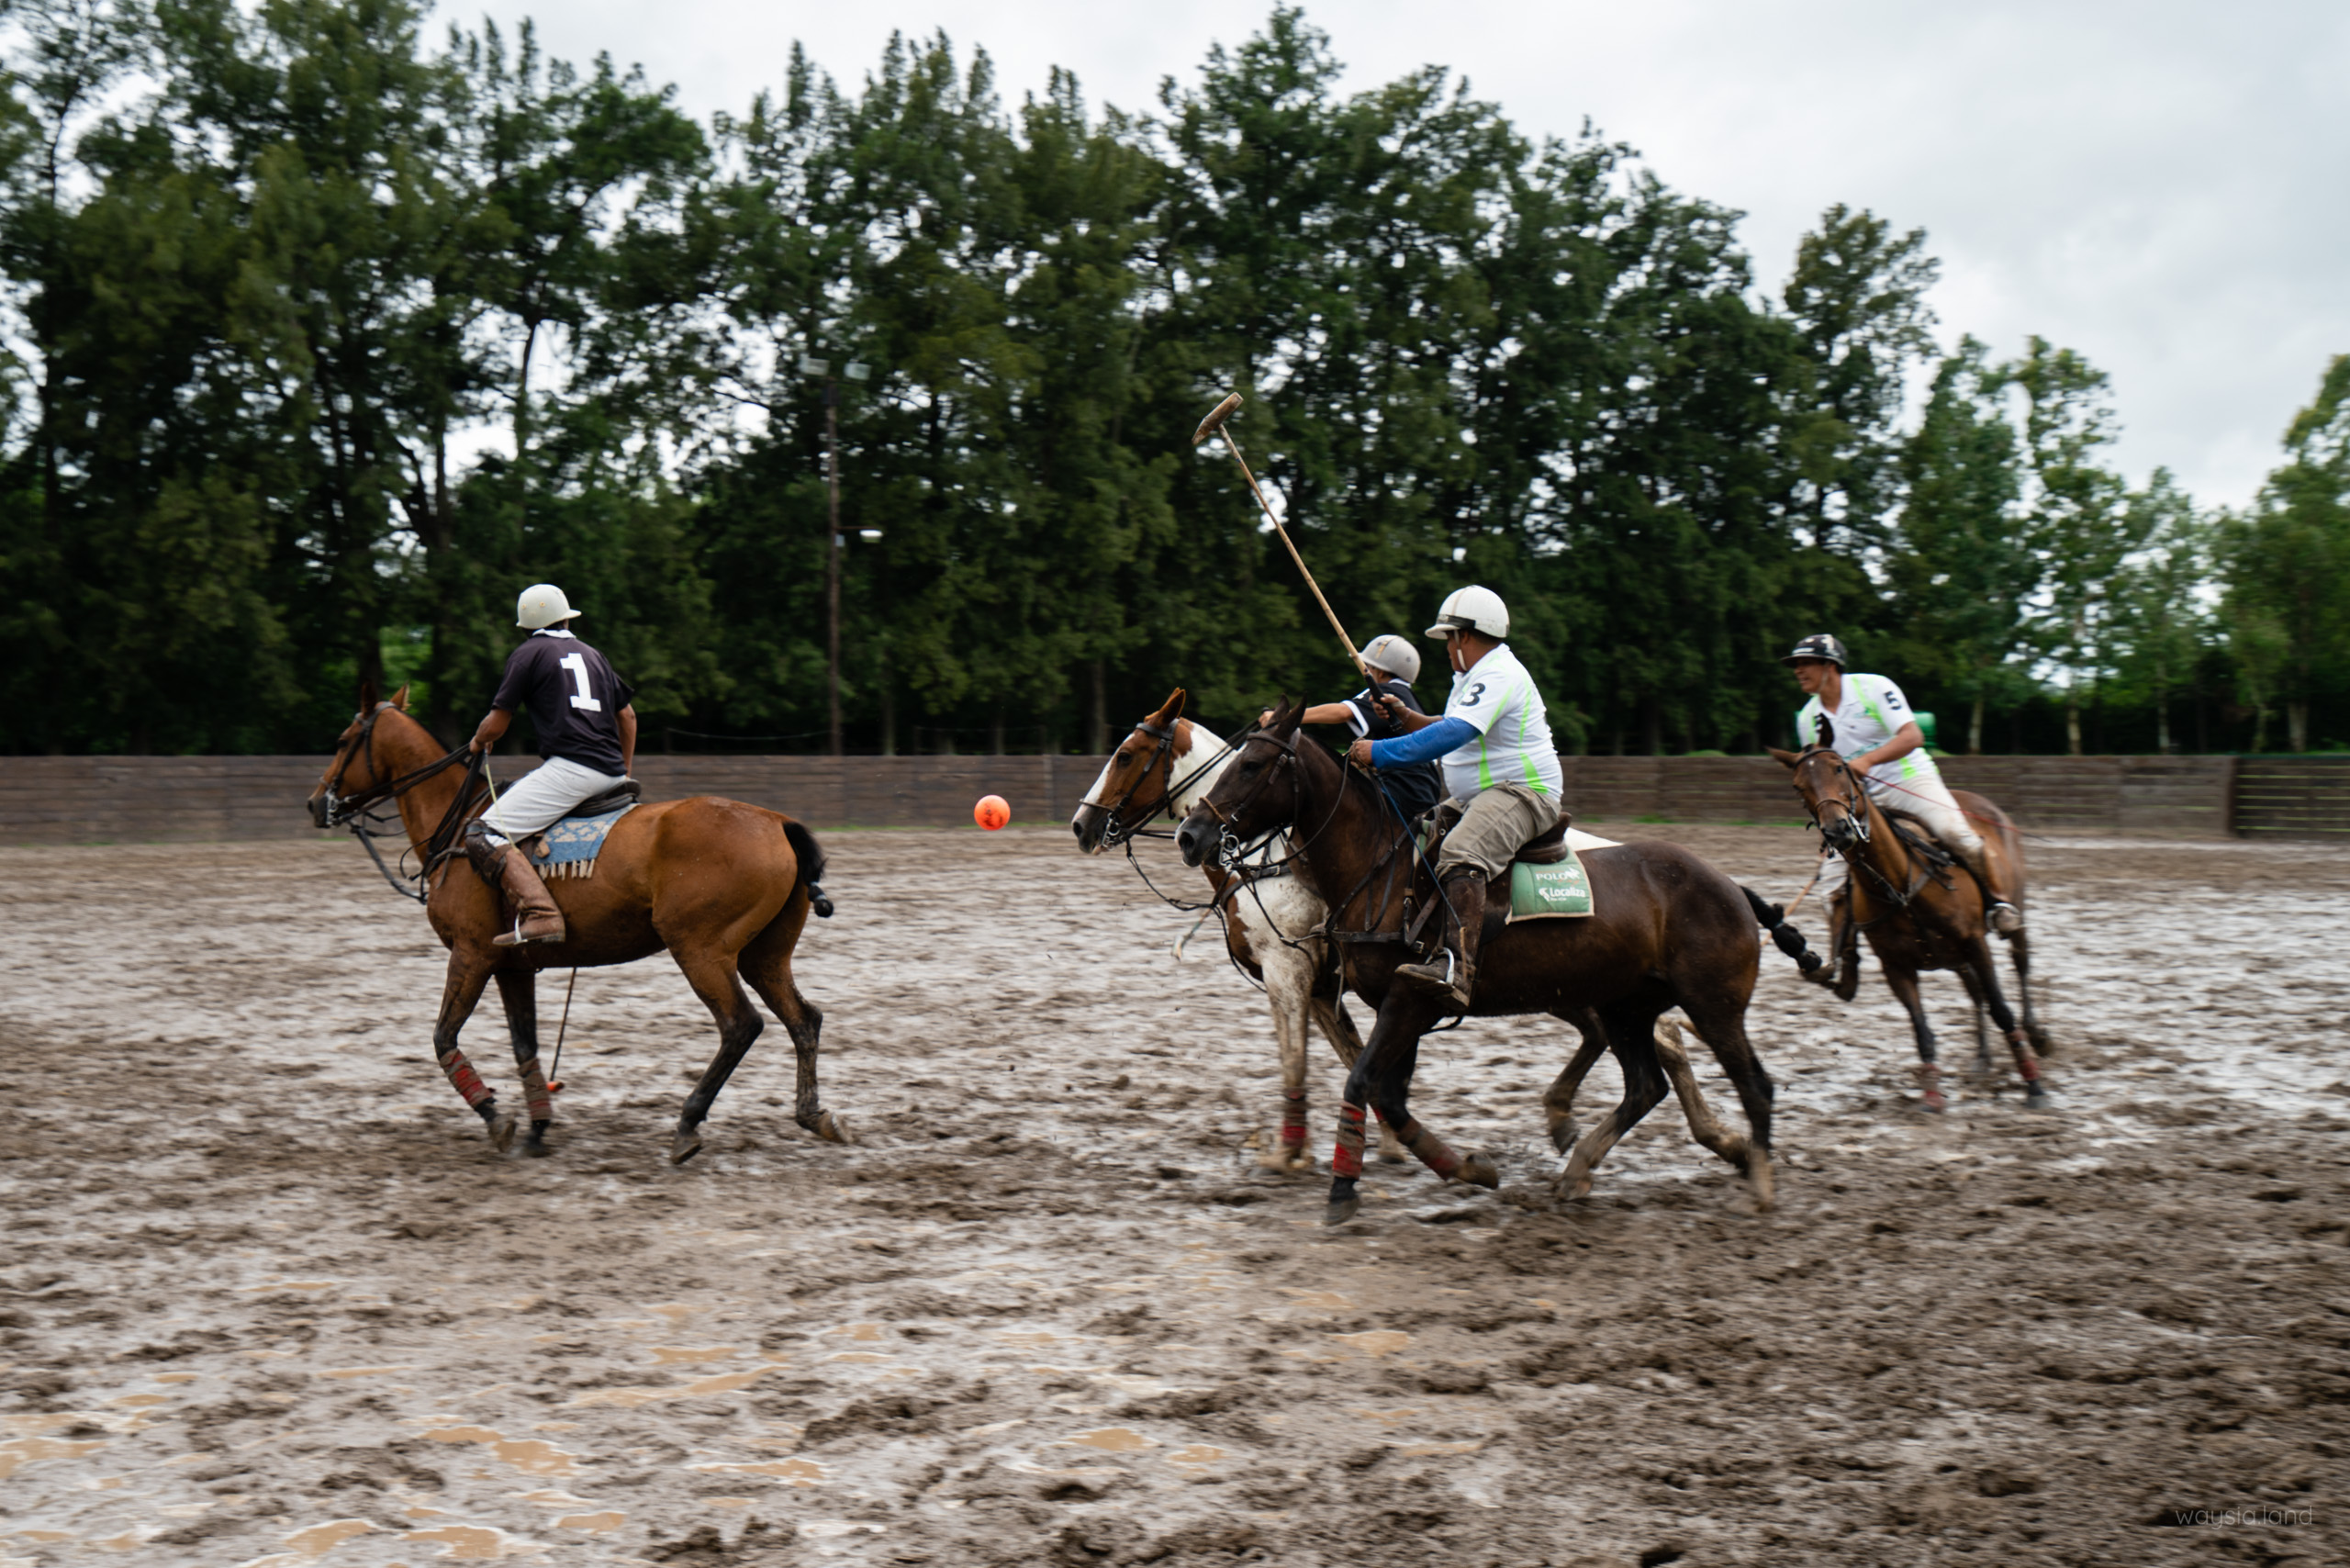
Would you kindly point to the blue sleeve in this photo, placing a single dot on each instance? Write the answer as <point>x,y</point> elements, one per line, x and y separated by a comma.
<point>1423,745</point>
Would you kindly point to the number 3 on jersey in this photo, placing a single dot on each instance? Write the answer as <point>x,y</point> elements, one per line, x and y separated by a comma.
<point>582,698</point>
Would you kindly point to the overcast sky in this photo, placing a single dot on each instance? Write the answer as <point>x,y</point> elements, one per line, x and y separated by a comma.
<point>2163,187</point>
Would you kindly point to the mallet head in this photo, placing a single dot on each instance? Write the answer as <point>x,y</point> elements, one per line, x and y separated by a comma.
<point>1214,422</point>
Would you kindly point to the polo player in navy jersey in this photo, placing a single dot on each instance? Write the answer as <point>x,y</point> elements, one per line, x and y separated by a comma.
<point>587,737</point>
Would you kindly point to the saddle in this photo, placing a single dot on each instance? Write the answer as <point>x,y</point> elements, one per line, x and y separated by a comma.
<point>1548,847</point>
<point>1545,848</point>
<point>624,793</point>
<point>559,851</point>
<point>1920,842</point>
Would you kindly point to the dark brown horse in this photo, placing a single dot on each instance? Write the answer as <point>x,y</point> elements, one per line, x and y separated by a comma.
<point>725,887</point>
<point>1668,931</point>
<point>1917,916</point>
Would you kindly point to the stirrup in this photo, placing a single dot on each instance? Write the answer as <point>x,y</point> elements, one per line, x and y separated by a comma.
<point>2003,917</point>
<point>514,938</point>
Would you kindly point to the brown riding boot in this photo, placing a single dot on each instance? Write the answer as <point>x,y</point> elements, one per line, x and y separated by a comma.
<point>536,917</point>
<point>1453,978</point>
<point>1999,913</point>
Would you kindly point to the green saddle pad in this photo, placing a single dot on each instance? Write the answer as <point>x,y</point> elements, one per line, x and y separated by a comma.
<point>1539,892</point>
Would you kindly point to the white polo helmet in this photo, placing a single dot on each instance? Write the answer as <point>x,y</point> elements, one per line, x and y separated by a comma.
<point>1392,654</point>
<point>541,606</point>
<point>1471,608</point>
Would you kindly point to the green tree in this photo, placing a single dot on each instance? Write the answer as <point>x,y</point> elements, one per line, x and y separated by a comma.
<point>1962,571</point>
<point>2285,564</point>
<point>2160,630</point>
<point>1857,295</point>
<point>2074,518</point>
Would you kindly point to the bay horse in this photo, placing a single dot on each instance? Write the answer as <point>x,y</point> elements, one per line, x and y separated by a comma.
<point>1917,916</point>
<point>1271,914</point>
<point>725,887</point>
<point>1667,930</point>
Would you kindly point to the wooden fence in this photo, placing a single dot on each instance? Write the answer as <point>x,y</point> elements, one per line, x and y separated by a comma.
<point>86,799</point>
<point>2293,797</point>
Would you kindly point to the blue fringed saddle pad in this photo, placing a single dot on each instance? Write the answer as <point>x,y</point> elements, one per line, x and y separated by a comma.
<point>569,848</point>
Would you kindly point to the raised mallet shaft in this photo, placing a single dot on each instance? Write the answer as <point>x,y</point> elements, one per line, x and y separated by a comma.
<point>1214,425</point>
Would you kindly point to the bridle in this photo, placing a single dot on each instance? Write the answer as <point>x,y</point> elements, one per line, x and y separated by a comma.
<point>1232,844</point>
<point>355,812</point>
<point>1851,796</point>
<point>1118,831</point>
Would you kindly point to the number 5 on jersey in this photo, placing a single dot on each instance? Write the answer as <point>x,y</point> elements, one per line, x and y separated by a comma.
<point>582,698</point>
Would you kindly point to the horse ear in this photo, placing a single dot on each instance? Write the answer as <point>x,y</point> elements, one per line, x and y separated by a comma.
<point>1286,719</point>
<point>399,698</point>
<point>366,697</point>
<point>1786,757</point>
<point>1173,708</point>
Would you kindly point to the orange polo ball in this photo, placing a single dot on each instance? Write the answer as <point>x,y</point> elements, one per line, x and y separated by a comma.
<point>992,812</point>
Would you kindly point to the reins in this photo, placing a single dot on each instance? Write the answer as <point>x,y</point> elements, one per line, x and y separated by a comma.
<point>1862,817</point>
<point>356,811</point>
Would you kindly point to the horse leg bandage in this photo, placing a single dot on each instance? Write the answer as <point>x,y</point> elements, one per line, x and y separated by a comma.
<point>534,1092</point>
<point>465,1079</point>
<point>1294,1119</point>
<point>1346,1161</point>
<point>1431,1150</point>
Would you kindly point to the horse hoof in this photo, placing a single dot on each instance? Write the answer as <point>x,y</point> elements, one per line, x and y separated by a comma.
<point>1566,1135</point>
<point>537,1147</point>
<point>1393,1156</point>
<point>1342,1211</point>
<point>685,1147</point>
<point>2038,1099</point>
<point>1480,1172</point>
<point>501,1132</point>
<point>1932,1100</point>
<point>832,1129</point>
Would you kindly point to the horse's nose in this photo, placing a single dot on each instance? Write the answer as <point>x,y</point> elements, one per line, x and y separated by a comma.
<point>1086,827</point>
<point>1191,840</point>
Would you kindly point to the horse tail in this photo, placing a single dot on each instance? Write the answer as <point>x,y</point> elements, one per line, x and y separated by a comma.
<point>810,855</point>
<point>1788,940</point>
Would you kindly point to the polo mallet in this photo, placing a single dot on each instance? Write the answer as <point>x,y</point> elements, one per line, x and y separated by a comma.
<point>1214,425</point>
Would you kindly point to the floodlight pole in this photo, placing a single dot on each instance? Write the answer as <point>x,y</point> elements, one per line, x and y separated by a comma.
<point>832,560</point>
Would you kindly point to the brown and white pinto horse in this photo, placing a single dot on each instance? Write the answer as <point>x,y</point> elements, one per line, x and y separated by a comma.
<point>1916,920</point>
<point>725,887</point>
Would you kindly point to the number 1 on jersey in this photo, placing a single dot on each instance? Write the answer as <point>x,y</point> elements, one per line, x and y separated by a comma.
<point>583,698</point>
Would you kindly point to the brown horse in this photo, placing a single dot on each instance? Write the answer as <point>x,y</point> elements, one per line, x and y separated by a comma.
<point>1918,917</point>
<point>1668,931</point>
<point>723,886</point>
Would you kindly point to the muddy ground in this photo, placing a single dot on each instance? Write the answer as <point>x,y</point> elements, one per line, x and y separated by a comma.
<point>269,1298</point>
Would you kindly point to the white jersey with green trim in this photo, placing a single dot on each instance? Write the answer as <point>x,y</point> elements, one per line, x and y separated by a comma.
<point>1873,713</point>
<point>1513,744</point>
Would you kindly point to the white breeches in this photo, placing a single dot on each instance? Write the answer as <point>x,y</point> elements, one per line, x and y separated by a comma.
<point>1929,801</point>
<point>539,797</point>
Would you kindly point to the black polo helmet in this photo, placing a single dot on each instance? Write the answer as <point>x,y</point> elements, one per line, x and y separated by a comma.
<point>1820,646</point>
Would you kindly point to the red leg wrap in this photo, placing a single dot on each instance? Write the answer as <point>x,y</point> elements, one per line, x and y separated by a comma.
<point>1432,1150</point>
<point>463,1077</point>
<point>534,1092</point>
<point>1293,1119</point>
<point>2028,1068</point>
<point>1347,1161</point>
